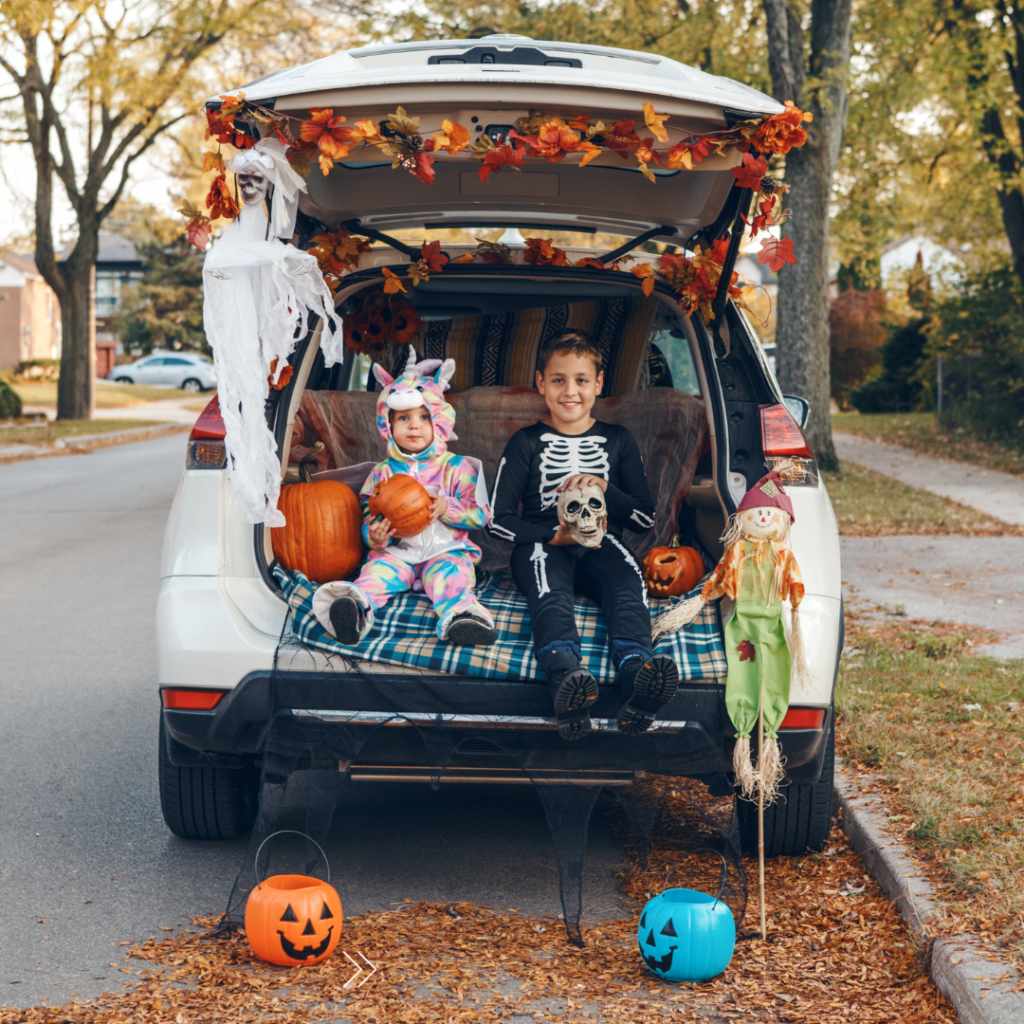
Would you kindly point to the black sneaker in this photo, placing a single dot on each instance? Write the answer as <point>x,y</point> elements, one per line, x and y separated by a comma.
<point>655,685</point>
<point>469,631</point>
<point>573,689</point>
<point>345,620</point>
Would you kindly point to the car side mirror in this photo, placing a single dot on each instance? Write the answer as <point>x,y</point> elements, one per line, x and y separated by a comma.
<point>799,409</point>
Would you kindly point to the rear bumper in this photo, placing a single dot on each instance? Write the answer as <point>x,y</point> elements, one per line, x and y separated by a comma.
<point>692,736</point>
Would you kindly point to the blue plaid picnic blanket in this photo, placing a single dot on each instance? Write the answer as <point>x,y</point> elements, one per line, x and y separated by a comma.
<point>405,633</point>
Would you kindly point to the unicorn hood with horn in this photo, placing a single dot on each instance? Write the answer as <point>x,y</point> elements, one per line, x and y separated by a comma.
<point>421,383</point>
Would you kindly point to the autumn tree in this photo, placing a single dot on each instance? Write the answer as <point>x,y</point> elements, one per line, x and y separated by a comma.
<point>98,85</point>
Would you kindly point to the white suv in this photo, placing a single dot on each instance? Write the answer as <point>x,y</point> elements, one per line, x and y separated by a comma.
<point>221,611</point>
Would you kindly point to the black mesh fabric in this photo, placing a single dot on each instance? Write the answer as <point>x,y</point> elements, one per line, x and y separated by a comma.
<point>308,754</point>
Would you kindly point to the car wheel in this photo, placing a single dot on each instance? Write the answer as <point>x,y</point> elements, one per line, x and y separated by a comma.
<point>192,385</point>
<point>207,803</point>
<point>801,819</point>
<point>123,380</point>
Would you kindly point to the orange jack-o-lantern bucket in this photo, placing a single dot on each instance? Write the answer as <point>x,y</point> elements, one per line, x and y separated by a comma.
<point>293,920</point>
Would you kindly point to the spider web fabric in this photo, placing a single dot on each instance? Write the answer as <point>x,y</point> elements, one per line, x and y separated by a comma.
<point>309,754</point>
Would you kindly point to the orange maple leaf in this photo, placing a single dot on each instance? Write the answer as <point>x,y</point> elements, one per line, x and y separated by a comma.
<point>541,253</point>
<point>433,257</point>
<point>494,159</point>
<point>334,142</point>
<point>776,251</point>
<point>213,162</point>
<point>751,173</point>
<point>656,122</point>
<point>392,282</point>
<point>646,273</point>
<point>452,138</point>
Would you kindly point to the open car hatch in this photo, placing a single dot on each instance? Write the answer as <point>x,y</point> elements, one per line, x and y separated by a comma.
<point>486,85</point>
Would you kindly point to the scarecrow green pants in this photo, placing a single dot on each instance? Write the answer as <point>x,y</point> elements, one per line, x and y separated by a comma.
<point>758,657</point>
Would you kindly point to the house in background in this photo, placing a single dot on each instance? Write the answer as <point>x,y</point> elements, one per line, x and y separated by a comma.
<point>118,265</point>
<point>30,325</point>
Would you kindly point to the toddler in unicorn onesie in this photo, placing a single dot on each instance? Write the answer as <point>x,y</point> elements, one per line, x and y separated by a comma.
<point>417,422</point>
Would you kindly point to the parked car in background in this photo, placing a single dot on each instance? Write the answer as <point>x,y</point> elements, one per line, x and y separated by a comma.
<point>168,369</point>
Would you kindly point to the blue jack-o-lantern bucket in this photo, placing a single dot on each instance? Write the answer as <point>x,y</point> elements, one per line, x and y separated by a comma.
<point>685,935</point>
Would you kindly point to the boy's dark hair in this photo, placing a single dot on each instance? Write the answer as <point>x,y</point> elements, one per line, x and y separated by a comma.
<point>578,343</point>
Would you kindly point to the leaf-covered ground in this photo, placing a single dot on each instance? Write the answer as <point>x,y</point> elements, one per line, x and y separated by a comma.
<point>945,730</point>
<point>918,430</point>
<point>836,951</point>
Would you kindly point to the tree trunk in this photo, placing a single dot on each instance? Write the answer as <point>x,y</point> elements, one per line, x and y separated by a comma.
<point>802,335</point>
<point>75,387</point>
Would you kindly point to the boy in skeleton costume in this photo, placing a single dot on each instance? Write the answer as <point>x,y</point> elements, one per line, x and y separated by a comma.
<point>416,421</point>
<point>567,472</point>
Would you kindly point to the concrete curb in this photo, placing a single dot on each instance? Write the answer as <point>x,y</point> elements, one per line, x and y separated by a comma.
<point>76,444</point>
<point>982,992</point>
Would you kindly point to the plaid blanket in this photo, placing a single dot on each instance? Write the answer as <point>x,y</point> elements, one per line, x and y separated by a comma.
<point>405,633</point>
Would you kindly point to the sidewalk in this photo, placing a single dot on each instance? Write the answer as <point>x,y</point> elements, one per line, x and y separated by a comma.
<point>170,410</point>
<point>999,494</point>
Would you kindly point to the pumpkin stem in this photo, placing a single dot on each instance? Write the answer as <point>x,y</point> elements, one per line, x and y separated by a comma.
<point>304,474</point>
<point>674,542</point>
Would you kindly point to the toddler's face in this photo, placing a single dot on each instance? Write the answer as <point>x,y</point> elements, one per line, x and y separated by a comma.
<point>412,429</point>
<point>570,385</point>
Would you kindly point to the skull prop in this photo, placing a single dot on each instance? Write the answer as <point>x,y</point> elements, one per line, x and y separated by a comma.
<point>584,511</point>
<point>252,185</point>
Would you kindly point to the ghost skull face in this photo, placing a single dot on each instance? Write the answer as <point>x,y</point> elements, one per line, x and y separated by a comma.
<point>584,511</point>
<point>253,185</point>
<point>767,523</point>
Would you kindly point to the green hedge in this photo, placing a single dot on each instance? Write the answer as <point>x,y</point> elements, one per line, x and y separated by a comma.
<point>10,403</point>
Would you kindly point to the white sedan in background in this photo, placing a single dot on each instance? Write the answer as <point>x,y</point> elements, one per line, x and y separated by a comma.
<point>168,369</point>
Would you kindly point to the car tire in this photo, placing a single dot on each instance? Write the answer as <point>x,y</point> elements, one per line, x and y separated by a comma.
<point>801,819</point>
<point>193,385</point>
<point>123,380</point>
<point>207,803</point>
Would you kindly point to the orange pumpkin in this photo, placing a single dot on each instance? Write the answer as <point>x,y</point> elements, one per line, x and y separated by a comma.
<point>671,571</point>
<point>293,920</point>
<point>404,502</point>
<point>322,538</point>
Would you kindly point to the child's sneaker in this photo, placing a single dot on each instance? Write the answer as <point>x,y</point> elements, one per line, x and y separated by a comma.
<point>345,618</point>
<point>654,684</point>
<point>469,631</point>
<point>573,689</point>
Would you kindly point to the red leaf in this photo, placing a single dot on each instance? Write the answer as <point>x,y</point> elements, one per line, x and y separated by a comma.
<point>751,173</point>
<point>198,232</point>
<point>776,251</point>
<point>495,159</point>
<point>424,168</point>
<point>433,257</point>
<point>747,650</point>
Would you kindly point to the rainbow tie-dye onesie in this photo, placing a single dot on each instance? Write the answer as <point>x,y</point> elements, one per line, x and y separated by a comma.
<point>441,560</point>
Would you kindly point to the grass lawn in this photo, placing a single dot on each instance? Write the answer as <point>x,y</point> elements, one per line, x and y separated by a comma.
<point>946,731</point>
<point>108,396</point>
<point>26,432</point>
<point>919,431</point>
<point>868,504</point>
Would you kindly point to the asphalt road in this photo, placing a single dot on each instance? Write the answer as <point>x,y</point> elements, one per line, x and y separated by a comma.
<point>85,861</point>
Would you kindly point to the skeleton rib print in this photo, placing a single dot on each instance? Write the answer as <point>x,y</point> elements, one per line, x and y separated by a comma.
<point>563,457</point>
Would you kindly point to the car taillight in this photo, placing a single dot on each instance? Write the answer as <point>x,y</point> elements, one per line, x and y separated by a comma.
<point>780,436</point>
<point>803,718</point>
<point>206,442</point>
<point>785,447</point>
<point>191,700</point>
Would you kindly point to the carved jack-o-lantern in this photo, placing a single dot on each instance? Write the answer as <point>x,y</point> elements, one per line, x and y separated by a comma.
<point>293,920</point>
<point>685,935</point>
<point>671,571</point>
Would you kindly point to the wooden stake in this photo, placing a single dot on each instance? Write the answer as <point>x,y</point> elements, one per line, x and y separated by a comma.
<point>760,807</point>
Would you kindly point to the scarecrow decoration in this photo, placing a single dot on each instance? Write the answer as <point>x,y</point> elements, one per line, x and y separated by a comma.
<point>759,572</point>
<point>258,291</point>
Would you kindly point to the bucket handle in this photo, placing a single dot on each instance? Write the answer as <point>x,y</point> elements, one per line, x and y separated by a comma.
<point>721,880</point>
<point>287,831</point>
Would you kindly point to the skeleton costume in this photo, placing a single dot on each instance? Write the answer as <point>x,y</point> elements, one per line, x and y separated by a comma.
<point>535,461</point>
<point>441,560</point>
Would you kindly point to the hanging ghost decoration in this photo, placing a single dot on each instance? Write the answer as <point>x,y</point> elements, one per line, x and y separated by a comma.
<point>259,291</point>
<point>759,572</point>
